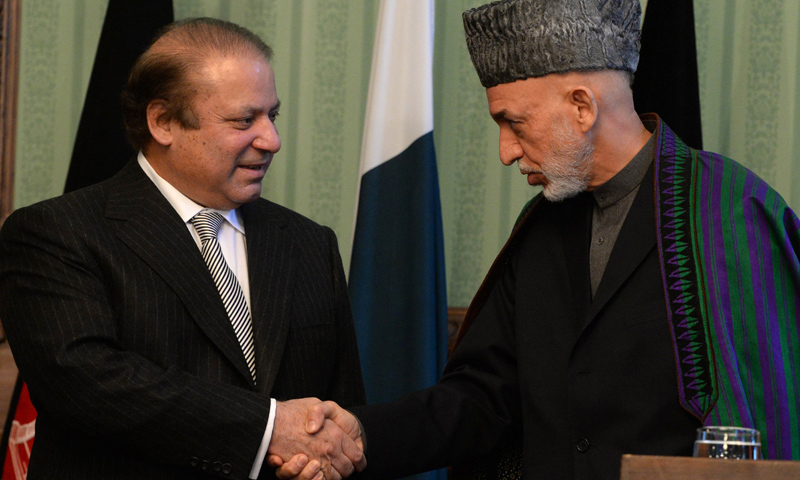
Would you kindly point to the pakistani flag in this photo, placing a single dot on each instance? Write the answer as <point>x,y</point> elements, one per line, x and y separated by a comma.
<point>397,277</point>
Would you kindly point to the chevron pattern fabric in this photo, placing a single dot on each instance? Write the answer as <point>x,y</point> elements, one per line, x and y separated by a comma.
<point>683,284</point>
<point>207,224</point>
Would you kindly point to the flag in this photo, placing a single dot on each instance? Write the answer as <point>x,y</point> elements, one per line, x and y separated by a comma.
<point>18,433</point>
<point>397,277</point>
<point>101,149</point>
<point>666,79</point>
<point>99,152</point>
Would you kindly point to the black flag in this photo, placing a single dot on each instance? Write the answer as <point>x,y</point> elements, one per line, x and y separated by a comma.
<point>100,148</point>
<point>666,80</point>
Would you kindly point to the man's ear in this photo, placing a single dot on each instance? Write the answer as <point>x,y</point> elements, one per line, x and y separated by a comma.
<point>584,105</point>
<point>158,122</point>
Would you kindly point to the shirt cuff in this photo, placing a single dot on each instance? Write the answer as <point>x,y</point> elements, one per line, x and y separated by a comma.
<point>262,449</point>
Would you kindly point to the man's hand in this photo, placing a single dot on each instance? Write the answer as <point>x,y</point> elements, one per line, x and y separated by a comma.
<point>333,451</point>
<point>319,418</point>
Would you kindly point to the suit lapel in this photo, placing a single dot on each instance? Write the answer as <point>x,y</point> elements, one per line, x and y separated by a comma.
<point>145,221</point>
<point>636,239</point>
<point>270,253</point>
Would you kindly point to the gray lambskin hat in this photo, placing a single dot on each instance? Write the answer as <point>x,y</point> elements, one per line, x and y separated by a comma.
<point>512,40</point>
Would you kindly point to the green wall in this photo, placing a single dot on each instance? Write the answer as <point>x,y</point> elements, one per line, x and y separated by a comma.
<point>749,78</point>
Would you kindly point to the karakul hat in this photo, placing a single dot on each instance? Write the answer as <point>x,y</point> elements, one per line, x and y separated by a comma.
<point>511,40</point>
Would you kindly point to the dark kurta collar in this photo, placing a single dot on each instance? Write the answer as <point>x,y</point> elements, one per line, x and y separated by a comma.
<point>612,201</point>
<point>629,177</point>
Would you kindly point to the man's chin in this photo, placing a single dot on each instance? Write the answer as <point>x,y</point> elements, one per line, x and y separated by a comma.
<point>251,198</point>
<point>558,193</point>
<point>246,195</point>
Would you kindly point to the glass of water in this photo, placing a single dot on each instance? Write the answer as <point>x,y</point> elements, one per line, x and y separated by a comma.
<point>735,443</point>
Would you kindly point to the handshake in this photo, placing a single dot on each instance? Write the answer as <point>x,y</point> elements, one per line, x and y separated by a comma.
<point>313,440</point>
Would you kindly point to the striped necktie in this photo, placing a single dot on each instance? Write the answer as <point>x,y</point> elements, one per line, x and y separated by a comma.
<point>207,224</point>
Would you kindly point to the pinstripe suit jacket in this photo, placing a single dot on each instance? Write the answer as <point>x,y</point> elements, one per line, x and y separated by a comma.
<point>130,358</point>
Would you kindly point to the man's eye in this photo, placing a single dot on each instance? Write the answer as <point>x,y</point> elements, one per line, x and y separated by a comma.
<point>273,116</point>
<point>245,122</point>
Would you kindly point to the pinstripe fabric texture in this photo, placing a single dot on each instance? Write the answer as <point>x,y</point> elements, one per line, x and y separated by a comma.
<point>131,360</point>
<point>207,223</point>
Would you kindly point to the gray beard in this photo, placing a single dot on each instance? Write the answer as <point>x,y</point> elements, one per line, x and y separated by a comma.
<point>568,167</point>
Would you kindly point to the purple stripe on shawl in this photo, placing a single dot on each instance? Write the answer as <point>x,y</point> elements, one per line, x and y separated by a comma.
<point>788,248</point>
<point>718,296</point>
<point>768,327</point>
<point>757,234</point>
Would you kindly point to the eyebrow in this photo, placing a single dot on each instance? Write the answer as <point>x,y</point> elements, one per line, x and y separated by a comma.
<point>501,115</point>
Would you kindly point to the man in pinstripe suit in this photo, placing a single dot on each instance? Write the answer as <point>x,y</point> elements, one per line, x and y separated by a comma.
<point>116,322</point>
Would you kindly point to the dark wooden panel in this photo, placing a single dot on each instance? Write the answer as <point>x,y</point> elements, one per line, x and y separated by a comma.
<point>9,76</point>
<point>646,467</point>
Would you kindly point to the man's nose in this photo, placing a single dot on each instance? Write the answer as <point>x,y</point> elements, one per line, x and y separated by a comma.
<point>267,138</point>
<point>510,149</point>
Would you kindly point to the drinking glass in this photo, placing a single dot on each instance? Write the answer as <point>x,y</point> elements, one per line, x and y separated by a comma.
<point>736,443</point>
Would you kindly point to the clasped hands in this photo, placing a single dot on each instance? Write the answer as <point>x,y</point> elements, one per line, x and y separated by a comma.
<point>313,440</point>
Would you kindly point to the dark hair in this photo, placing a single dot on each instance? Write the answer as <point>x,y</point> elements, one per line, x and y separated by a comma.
<point>164,70</point>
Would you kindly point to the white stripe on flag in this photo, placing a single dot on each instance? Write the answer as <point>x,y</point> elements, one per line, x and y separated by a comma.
<point>400,99</point>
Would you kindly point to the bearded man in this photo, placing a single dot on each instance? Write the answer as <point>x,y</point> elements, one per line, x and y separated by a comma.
<point>650,290</point>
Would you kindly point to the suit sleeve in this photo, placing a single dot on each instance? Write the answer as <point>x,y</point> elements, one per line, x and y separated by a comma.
<point>57,314</point>
<point>474,404</point>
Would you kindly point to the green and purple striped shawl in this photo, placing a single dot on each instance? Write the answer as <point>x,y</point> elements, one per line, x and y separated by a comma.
<point>729,249</point>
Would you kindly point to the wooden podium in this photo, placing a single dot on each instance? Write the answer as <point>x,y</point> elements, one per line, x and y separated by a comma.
<point>646,467</point>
